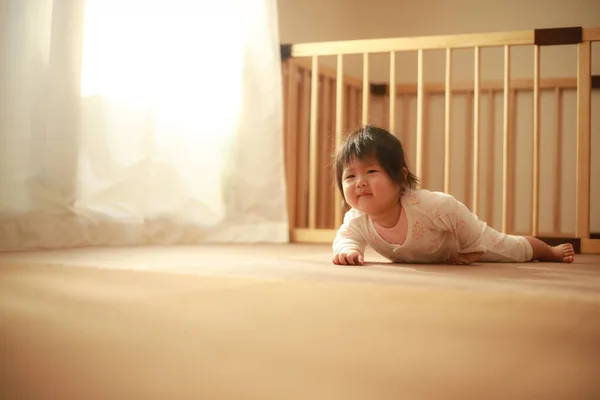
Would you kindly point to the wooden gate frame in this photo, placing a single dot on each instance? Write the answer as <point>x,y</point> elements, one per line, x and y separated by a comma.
<point>581,37</point>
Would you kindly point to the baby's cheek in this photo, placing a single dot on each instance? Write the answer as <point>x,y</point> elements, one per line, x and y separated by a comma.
<point>351,200</point>
<point>349,196</point>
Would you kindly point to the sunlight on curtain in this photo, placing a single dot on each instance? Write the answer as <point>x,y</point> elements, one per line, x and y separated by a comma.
<point>22,83</point>
<point>168,75</point>
<point>140,122</point>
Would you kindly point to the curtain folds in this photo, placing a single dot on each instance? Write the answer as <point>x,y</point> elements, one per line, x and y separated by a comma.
<point>140,122</point>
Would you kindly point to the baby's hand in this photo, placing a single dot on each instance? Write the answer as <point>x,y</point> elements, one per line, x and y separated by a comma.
<point>351,257</point>
<point>465,258</point>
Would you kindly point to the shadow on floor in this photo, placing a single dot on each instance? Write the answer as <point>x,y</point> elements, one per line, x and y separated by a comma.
<point>534,270</point>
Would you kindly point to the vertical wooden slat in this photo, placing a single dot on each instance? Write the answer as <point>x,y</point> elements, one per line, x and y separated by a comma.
<point>285,80</point>
<point>512,158</point>
<point>405,122</point>
<point>505,143</point>
<point>448,120</point>
<point>385,118</point>
<point>582,193</point>
<point>314,118</point>
<point>476,103</point>
<point>331,149</point>
<point>358,117</point>
<point>285,74</point>
<point>355,98</point>
<point>536,143</point>
<point>490,157</point>
<point>304,136</point>
<point>469,145</point>
<point>392,110</point>
<point>320,114</point>
<point>347,107</point>
<point>339,118</point>
<point>420,99</point>
<point>352,108</point>
<point>355,95</point>
<point>323,193</point>
<point>366,92</point>
<point>292,97</point>
<point>558,163</point>
<point>426,178</point>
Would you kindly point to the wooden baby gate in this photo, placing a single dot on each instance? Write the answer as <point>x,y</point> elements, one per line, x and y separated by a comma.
<point>323,101</point>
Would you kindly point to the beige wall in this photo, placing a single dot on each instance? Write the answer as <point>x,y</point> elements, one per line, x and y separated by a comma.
<point>319,20</point>
<point>325,20</point>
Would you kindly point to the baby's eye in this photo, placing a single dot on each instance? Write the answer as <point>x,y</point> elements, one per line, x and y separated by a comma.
<point>349,176</point>
<point>371,171</point>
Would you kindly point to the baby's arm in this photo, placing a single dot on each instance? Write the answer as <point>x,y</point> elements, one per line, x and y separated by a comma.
<point>349,244</point>
<point>465,258</point>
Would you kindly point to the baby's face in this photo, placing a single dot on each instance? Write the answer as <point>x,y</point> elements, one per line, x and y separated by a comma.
<point>367,187</point>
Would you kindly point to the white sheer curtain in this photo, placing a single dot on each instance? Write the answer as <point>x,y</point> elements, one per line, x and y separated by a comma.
<point>127,122</point>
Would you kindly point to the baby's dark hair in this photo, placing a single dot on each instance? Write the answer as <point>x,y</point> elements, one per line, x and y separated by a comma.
<point>384,146</point>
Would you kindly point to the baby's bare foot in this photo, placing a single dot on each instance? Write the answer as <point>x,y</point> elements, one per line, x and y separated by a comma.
<point>562,253</point>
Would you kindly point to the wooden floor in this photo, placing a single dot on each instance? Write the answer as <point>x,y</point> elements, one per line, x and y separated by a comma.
<point>282,322</point>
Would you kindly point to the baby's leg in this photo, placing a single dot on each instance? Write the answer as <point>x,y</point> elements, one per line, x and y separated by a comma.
<point>544,252</point>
